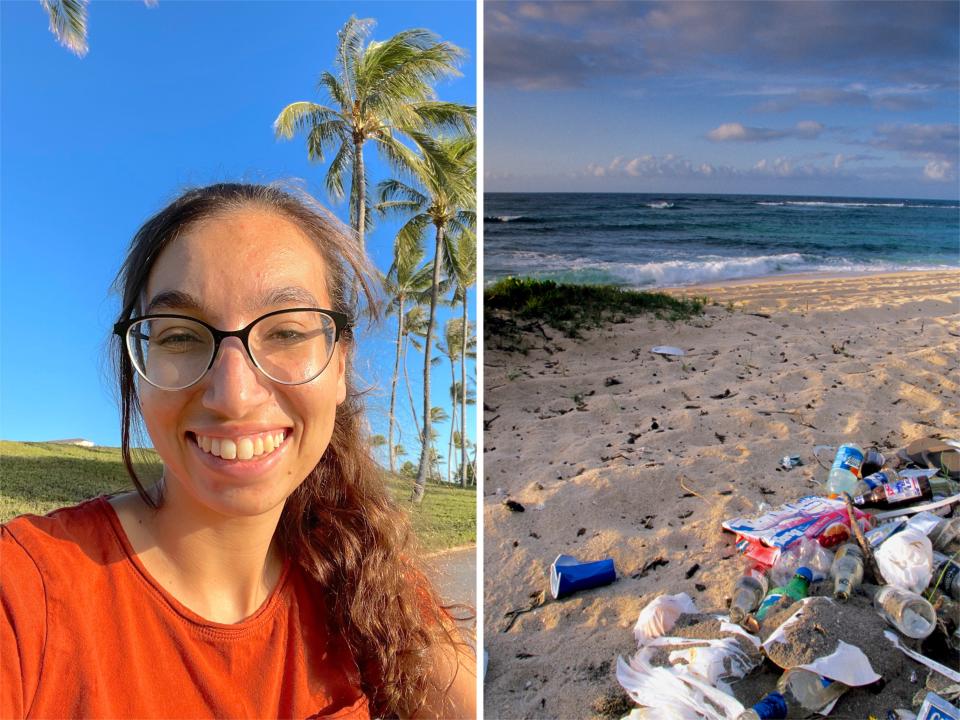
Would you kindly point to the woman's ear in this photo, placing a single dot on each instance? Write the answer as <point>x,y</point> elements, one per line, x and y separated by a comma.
<point>340,358</point>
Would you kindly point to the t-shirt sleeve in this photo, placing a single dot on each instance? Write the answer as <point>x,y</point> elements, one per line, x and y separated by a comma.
<point>23,626</point>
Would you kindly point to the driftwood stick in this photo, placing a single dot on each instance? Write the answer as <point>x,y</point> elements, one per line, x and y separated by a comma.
<point>869,561</point>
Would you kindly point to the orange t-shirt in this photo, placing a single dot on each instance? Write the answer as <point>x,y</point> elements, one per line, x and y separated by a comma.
<point>87,632</point>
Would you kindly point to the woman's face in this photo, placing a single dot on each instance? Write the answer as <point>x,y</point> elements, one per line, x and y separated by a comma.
<point>229,270</point>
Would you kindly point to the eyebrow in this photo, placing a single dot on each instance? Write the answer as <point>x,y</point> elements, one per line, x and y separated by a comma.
<point>179,300</point>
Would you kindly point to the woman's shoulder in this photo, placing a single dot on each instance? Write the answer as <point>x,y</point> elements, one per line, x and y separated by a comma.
<point>72,533</point>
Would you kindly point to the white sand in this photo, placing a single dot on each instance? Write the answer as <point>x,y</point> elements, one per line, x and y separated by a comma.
<point>869,359</point>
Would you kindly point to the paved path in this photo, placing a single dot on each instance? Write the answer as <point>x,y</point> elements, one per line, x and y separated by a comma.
<point>454,573</point>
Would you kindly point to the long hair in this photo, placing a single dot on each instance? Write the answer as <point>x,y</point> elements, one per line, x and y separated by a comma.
<point>340,524</point>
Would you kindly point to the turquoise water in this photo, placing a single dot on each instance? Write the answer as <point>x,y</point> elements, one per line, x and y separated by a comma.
<point>646,240</point>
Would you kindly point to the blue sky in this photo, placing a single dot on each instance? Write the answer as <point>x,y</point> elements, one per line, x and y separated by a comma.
<point>180,94</point>
<point>822,98</point>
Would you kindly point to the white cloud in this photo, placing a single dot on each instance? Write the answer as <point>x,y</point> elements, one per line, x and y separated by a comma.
<point>736,132</point>
<point>808,128</point>
<point>728,131</point>
<point>939,171</point>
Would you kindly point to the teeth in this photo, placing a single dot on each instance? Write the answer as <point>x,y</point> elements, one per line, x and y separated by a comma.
<point>245,448</point>
<point>228,449</point>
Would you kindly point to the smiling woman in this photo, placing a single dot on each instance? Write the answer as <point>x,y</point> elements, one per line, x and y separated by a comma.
<point>267,574</point>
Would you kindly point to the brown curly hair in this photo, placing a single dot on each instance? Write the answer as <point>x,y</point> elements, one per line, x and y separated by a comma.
<point>340,524</point>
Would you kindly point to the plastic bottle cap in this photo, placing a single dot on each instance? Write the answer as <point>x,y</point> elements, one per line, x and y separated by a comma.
<point>771,706</point>
<point>805,573</point>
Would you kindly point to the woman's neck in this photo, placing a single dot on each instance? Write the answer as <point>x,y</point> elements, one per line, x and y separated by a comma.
<point>222,568</point>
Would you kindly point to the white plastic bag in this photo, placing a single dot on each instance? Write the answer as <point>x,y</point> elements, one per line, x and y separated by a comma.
<point>906,560</point>
<point>720,661</point>
<point>673,694</point>
<point>659,616</point>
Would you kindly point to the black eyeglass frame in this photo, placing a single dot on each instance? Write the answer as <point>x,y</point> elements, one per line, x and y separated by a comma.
<point>341,323</point>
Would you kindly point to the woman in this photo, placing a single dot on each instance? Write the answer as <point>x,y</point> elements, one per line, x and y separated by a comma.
<point>265,574</point>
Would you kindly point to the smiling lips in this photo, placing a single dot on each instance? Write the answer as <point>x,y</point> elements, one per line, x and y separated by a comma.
<point>241,448</point>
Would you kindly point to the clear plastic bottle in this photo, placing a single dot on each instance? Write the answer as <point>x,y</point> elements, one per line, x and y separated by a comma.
<point>811,691</point>
<point>845,472</point>
<point>906,611</point>
<point>841,480</point>
<point>800,693</point>
<point>945,535</point>
<point>748,591</point>
<point>847,571</point>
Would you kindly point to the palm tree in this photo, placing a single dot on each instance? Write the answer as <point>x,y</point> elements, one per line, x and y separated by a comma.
<point>380,89</point>
<point>446,170</point>
<point>464,272</point>
<point>403,281</point>
<point>469,472</point>
<point>453,347</point>
<point>437,415</point>
<point>414,327</point>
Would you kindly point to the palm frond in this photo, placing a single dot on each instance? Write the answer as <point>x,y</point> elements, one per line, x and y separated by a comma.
<point>402,160</point>
<point>68,23</point>
<point>336,91</point>
<point>302,116</point>
<point>409,240</point>
<point>335,173</point>
<point>394,191</point>
<point>446,116</point>
<point>350,41</point>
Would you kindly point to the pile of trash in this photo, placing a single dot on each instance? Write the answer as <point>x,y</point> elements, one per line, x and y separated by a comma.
<point>841,594</point>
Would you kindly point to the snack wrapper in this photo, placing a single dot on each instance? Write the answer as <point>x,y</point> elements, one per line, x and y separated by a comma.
<point>825,520</point>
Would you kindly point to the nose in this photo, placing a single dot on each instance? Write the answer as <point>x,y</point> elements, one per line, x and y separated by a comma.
<point>234,386</point>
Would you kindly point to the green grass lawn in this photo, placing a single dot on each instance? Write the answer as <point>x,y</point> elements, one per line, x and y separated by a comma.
<point>38,478</point>
<point>570,307</point>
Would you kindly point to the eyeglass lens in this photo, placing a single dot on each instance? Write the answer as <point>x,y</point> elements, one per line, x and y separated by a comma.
<point>291,348</point>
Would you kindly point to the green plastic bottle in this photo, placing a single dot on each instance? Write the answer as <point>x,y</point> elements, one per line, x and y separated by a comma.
<point>797,589</point>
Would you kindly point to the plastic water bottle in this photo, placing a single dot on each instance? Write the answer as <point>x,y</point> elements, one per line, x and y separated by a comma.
<point>800,693</point>
<point>841,480</point>
<point>847,571</point>
<point>797,589</point>
<point>945,534</point>
<point>846,469</point>
<point>906,611</point>
<point>748,591</point>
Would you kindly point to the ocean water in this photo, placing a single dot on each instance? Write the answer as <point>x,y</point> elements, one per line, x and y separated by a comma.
<point>643,241</point>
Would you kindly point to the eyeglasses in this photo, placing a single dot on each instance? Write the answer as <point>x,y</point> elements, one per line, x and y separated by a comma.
<point>291,347</point>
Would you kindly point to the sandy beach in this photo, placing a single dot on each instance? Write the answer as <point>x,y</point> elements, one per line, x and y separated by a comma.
<point>618,452</point>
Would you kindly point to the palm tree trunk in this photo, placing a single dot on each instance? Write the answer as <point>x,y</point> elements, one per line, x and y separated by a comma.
<point>406,382</point>
<point>463,396</point>
<point>421,483</point>
<point>453,414</point>
<point>360,191</point>
<point>393,386</point>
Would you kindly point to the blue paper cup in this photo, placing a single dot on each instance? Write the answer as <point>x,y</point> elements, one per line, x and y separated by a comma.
<point>568,575</point>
